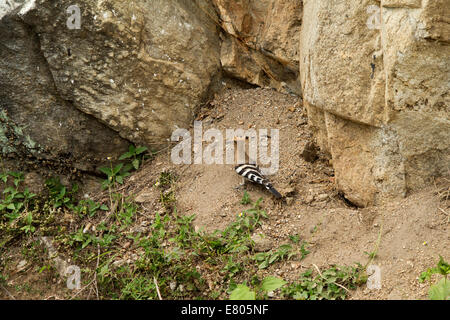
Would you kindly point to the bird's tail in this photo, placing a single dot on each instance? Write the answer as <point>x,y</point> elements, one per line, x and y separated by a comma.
<point>272,190</point>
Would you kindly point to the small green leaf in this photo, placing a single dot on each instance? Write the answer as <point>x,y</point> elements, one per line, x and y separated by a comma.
<point>105,184</point>
<point>104,207</point>
<point>242,292</point>
<point>126,168</point>
<point>440,291</point>
<point>89,240</point>
<point>443,266</point>
<point>9,190</point>
<point>140,150</point>
<point>272,283</point>
<point>106,171</point>
<point>301,295</point>
<point>136,163</point>
<point>260,256</point>
<point>62,192</point>
<point>29,218</point>
<point>273,258</point>
<point>264,264</point>
<point>126,156</point>
<point>117,168</point>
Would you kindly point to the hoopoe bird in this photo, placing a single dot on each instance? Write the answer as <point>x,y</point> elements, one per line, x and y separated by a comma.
<point>251,172</point>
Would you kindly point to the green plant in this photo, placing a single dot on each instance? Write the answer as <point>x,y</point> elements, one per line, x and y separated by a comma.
<point>265,259</point>
<point>4,176</point>
<point>171,251</point>
<point>331,284</point>
<point>114,175</point>
<point>82,238</point>
<point>269,284</point>
<point>286,251</point>
<point>28,227</point>
<point>303,251</point>
<point>231,268</point>
<point>14,201</point>
<point>88,207</point>
<point>186,233</point>
<point>165,185</point>
<point>441,289</point>
<point>246,198</point>
<point>117,174</point>
<point>136,156</point>
<point>3,279</point>
<point>237,236</point>
<point>139,288</point>
<point>126,213</point>
<point>242,292</point>
<point>18,178</point>
<point>372,255</point>
<point>295,238</point>
<point>59,195</point>
<point>165,180</point>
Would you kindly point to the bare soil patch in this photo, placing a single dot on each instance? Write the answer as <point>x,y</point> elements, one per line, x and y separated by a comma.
<point>413,232</point>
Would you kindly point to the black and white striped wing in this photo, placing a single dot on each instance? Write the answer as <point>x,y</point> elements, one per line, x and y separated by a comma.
<point>251,172</point>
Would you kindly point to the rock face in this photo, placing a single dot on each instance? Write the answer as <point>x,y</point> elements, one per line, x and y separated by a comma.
<point>82,81</point>
<point>126,70</point>
<point>34,120</point>
<point>260,45</point>
<point>376,83</point>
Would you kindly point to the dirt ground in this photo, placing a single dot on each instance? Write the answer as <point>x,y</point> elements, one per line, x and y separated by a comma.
<point>413,232</point>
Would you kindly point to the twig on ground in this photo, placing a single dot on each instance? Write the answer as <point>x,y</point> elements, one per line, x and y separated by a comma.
<point>95,274</point>
<point>339,285</point>
<point>9,294</point>
<point>81,290</point>
<point>157,288</point>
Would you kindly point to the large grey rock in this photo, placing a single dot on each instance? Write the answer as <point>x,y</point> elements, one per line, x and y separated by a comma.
<point>261,41</point>
<point>34,120</point>
<point>134,70</point>
<point>378,93</point>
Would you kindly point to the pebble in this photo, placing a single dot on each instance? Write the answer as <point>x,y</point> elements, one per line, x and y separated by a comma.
<point>88,226</point>
<point>127,245</point>
<point>21,265</point>
<point>309,199</point>
<point>118,263</point>
<point>262,244</point>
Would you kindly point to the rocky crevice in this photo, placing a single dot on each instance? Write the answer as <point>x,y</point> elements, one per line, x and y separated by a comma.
<point>124,77</point>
